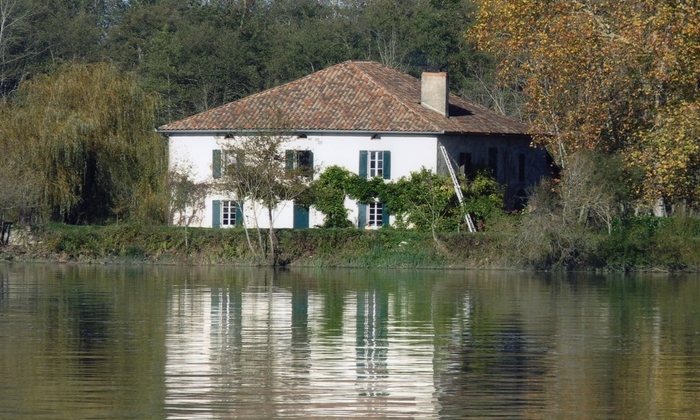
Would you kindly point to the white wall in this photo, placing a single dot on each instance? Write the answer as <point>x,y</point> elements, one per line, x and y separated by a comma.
<point>408,154</point>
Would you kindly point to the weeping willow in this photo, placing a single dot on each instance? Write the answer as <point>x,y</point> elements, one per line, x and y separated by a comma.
<point>85,135</point>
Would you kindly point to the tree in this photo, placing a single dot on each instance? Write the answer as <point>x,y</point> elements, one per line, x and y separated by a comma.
<point>85,136</point>
<point>329,192</point>
<point>14,45</point>
<point>586,195</point>
<point>19,195</point>
<point>187,197</point>
<point>607,76</point>
<point>483,198</point>
<point>260,169</point>
<point>426,201</point>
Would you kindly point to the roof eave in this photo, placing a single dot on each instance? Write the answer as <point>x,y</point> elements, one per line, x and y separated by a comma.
<point>249,132</point>
<point>486,133</point>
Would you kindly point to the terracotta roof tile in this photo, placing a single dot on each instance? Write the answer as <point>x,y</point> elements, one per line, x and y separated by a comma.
<point>351,96</point>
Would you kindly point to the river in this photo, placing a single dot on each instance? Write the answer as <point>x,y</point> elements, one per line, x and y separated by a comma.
<point>113,342</point>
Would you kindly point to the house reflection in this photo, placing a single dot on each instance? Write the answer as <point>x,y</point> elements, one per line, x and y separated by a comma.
<point>262,352</point>
<point>372,343</point>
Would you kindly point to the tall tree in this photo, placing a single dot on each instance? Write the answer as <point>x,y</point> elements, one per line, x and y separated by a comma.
<point>85,134</point>
<point>15,44</point>
<point>187,196</point>
<point>262,169</point>
<point>603,75</point>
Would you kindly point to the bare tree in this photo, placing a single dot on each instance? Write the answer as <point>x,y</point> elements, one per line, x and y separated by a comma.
<point>187,197</point>
<point>585,197</point>
<point>262,169</point>
<point>14,16</point>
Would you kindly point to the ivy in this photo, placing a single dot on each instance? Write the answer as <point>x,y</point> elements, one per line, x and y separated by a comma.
<point>424,200</point>
<point>328,195</point>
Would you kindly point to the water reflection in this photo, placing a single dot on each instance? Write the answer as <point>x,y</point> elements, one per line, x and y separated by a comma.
<point>136,342</point>
<point>279,354</point>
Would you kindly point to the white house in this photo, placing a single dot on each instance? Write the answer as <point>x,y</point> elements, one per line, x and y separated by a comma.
<point>369,119</point>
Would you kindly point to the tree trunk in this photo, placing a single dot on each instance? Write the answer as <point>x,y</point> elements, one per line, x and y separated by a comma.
<point>272,257</point>
<point>244,225</point>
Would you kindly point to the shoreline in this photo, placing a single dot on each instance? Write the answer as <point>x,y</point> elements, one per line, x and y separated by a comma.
<point>330,248</point>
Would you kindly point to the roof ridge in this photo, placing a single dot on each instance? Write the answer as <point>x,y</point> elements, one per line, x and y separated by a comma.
<point>387,91</point>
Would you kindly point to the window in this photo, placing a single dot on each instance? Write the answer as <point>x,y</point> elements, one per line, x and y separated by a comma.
<point>302,160</point>
<point>375,163</point>
<point>226,213</point>
<point>374,215</point>
<point>221,159</point>
<point>465,164</point>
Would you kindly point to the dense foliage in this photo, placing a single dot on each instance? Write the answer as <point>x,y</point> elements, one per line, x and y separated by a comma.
<point>424,201</point>
<point>200,54</point>
<point>608,76</point>
<point>79,146</point>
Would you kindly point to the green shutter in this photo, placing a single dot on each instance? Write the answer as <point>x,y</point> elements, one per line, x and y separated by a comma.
<point>311,161</point>
<point>363,164</point>
<point>361,215</point>
<point>239,214</point>
<point>216,214</point>
<point>289,159</point>
<point>240,156</point>
<point>385,216</point>
<point>301,217</point>
<point>216,163</point>
<point>387,165</point>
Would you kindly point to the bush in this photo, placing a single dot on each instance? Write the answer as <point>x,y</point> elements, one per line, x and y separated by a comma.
<point>643,242</point>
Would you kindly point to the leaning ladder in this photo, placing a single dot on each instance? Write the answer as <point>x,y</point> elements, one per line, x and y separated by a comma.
<point>458,189</point>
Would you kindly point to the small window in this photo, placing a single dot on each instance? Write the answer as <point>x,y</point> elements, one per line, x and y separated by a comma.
<point>302,160</point>
<point>375,216</point>
<point>222,159</point>
<point>228,213</point>
<point>376,164</point>
<point>465,164</point>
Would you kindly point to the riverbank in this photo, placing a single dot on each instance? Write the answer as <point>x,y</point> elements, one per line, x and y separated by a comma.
<point>306,247</point>
<point>641,245</point>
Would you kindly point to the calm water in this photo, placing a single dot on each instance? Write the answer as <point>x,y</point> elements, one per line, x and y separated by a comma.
<point>161,342</point>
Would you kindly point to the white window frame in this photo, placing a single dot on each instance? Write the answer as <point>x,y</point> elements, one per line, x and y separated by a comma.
<point>228,213</point>
<point>375,217</point>
<point>375,163</point>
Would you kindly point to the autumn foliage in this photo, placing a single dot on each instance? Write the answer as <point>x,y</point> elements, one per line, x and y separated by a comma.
<point>613,76</point>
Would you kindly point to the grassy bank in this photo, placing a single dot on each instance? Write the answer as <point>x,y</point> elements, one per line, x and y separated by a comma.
<point>306,247</point>
<point>635,244</point>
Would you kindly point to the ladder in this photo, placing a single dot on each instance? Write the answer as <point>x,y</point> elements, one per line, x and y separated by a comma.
<point>458,189</point>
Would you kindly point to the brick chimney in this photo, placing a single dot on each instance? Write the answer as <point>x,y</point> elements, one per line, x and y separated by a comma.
<point>434,92</point>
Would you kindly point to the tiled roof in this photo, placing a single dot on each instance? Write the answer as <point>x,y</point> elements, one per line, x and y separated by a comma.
<point>351,96</point>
